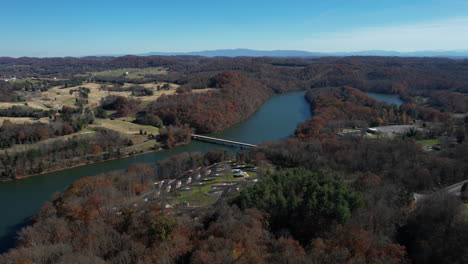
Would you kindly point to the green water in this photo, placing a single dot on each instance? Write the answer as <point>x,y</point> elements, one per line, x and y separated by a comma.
<point>19,200</point>
<point>389,98</point>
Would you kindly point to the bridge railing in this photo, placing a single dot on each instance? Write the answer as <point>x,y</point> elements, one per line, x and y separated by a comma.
<point>222,141</point>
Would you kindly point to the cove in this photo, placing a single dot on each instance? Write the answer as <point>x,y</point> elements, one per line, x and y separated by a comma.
<point>276,119</point>
<point>388,98</point>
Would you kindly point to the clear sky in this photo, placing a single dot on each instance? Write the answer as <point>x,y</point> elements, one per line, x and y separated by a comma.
<point>83,27</point>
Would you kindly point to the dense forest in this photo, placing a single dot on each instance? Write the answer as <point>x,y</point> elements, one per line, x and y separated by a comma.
<point>235,99</point>
<point>336,108</point>
<point>301,212</point>
<point>242,84</point>
<point>322,196</point>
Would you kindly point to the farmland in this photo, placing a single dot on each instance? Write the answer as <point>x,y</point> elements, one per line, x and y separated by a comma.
<point>130,73</point>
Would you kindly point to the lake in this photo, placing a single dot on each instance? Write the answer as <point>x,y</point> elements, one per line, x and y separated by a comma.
<point>389,98</point>
<point>19,200</point>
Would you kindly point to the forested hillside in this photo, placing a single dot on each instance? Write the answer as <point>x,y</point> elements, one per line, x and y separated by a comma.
<point>361,181</point>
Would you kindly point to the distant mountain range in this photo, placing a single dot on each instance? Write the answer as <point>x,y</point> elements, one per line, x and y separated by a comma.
<point>302,54</point>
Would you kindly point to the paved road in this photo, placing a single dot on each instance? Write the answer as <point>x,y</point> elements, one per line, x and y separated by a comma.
<point>396,128</point>
<point>454,189</point>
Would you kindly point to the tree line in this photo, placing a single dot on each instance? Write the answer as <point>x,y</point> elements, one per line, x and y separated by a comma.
<point>60,154</point>
<point>71,120</point>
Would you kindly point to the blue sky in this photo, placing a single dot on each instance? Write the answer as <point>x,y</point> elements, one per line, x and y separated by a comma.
<point>76,28</point>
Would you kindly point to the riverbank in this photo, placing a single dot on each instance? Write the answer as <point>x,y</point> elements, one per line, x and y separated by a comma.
<point>84,164</point>
<point>276,119</point>
<point>129,149</point>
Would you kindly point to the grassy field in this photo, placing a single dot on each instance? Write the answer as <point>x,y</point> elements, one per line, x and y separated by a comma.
<point>25,80</point>
<point>132,131</point>
<point>142,147</point>
<point>23,120</point>
<point>31,104</point>
<point>198,195</point>
<point>57,97</point>
<point>18,148</point>
<point>133,73</point>
<point>429,142</point>
<point>125,127</point>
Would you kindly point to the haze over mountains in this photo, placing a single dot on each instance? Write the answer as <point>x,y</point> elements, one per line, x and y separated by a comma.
<point>300,53</point>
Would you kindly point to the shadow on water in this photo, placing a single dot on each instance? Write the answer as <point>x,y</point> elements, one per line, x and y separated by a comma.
<point>9,239</point>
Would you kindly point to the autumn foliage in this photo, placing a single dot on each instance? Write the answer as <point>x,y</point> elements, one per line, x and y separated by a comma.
<point>235,99</point>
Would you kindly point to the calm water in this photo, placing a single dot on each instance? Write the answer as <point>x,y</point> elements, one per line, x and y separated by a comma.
<point>389,98</point>
<point>19,200</point>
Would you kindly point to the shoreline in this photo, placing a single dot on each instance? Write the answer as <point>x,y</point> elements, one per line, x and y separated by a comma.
<point>80,165</point>
<point>140,153</point>
<point>89,163</point>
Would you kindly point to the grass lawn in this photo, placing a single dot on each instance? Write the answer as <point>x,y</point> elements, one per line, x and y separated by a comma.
<point>22,120</point>
<point>56,97</point>
<point>133,73</point>
<point>465,211</point>
<point>25,80</point>
<point>140,147</point>
<point>4,105</point>
<point>23,147</point>
<point>125,127</point>
<point>198,197</point>
<point>429,142</point>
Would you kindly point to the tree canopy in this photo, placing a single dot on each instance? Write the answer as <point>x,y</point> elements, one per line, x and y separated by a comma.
<point>305,200</point>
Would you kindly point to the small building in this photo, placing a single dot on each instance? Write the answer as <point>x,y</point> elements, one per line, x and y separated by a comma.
<point>159,184</point>
<point>206,180</point>
<point>178,184</point>
<point>241,174</point>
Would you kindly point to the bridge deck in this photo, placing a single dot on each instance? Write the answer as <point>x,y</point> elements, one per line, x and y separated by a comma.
<point>220,140</point>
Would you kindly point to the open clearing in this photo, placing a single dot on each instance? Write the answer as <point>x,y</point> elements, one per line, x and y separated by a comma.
<point>124,127</point>
<point>4,105</point>
<point>133,73</point>
<point>429,142</point>
<point>131,130</point>
<point>23,120</point>
<point>24,147</point>
<point>141,147</point>
<point>57,97</point>
<point>198,195</point>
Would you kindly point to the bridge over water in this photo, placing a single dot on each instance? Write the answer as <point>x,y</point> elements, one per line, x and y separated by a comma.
<point>222,141</point>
